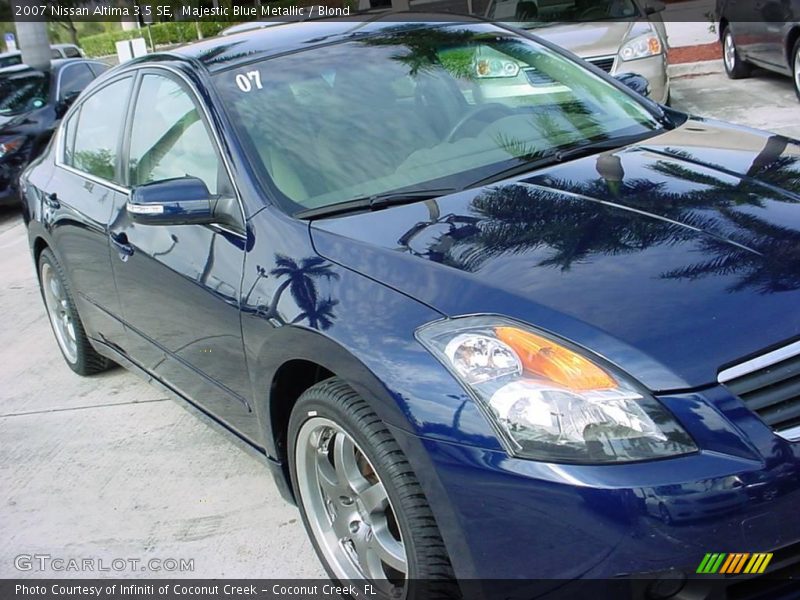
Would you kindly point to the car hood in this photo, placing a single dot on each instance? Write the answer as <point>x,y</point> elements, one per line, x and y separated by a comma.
<point>673,258</point>
<point>587,40</point>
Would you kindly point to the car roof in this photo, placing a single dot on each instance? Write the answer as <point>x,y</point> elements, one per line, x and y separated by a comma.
<point>226,51</point>
<point>56,64</point>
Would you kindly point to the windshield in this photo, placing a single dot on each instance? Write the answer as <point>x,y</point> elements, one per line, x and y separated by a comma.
<point>538,12</point>
<point>9,60</point>
<point>417,109</point>
<point>23,93</point>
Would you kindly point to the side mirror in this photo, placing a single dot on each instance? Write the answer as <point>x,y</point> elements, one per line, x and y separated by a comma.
<point>181,201</point>
<point>655,6</point>
<point>65,103</point>
<point>638,83</point>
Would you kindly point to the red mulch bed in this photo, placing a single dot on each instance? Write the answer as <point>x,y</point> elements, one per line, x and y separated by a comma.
<point>689,54</point>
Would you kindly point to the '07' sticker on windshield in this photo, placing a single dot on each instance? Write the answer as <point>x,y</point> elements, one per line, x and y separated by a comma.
<point>248,81</point>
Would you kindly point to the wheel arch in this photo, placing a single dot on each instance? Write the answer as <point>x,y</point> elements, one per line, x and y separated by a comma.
<point>38,246</point>
<point>723,25</point>
<point>294,360</point>
<point>791,41</point>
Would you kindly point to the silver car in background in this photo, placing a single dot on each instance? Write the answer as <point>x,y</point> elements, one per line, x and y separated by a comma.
<point>618,36</point>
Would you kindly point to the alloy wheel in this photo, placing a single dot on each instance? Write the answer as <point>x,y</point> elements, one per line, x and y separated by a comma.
<point>347,506</point>
<point>729,51</point>
<point>797,69</point>
<point>58,310</point>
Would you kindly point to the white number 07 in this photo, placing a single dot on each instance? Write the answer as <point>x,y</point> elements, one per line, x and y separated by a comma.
<point>245,82</point>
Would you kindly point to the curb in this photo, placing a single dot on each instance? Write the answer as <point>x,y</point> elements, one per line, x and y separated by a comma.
<point>703,67</point>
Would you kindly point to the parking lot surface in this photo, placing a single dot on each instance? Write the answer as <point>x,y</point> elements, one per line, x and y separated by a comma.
<point>110,468</point>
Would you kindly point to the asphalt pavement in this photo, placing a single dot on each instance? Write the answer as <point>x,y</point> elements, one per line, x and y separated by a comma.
<point>108,467</point>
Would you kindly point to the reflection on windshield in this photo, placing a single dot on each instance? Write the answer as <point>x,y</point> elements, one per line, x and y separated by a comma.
<point>417,108</point>
<point>23,93</point>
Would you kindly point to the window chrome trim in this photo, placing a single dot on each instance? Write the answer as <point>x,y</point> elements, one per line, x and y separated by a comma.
<point>760,362</point>
<point>791,435</point>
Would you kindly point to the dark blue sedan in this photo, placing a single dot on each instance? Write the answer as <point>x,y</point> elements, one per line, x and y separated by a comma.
<point>488,313</point>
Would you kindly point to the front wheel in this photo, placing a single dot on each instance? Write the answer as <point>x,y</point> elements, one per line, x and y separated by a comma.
<point>735,67</point>
<point>360,501</point>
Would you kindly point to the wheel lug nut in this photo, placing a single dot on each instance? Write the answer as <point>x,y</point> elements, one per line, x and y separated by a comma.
<point>354,525</point>
<point>345,500</point>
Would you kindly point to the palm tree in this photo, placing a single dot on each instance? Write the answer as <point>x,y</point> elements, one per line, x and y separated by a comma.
<point>321,316</point>
<point>300,282</point>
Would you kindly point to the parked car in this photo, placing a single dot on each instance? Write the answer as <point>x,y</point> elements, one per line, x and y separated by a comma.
<point>9,59</point>
<point>66,51</point>
<point>31,106</point>
<point>760,34</point>
<point>617,36</point>
<point>470,336</point>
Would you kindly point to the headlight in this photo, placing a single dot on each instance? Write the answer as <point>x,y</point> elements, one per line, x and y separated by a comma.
<point>550,401</point>
<point>486,68</point>
<point>641,47</point>
<point>10,145</point>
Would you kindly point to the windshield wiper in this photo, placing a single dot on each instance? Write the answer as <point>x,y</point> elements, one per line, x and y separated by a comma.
<point>375,202</point>
<point>574,151</point>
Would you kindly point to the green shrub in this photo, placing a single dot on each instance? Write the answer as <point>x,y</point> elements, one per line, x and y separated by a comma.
<point>175,32</point>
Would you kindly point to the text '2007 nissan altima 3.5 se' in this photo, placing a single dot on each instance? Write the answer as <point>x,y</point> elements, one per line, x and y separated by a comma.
<point>478,336</point>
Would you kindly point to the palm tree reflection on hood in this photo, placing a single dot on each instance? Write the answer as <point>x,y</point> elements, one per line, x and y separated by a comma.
<point>525,217</point>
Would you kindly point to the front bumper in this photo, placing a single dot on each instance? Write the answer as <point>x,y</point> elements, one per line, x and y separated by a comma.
<point>506,518</point>
<point>654,69</point>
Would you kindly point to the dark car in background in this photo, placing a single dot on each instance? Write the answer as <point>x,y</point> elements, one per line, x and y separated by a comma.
<point>762,34</point>
<point>476,336</point>
<point>32,103</point>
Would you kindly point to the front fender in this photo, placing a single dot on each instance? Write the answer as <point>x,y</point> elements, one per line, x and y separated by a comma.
<point>366,338</point>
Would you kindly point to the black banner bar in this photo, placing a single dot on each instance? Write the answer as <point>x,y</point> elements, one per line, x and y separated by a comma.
<point>231,11</point>
<point>672,586</point>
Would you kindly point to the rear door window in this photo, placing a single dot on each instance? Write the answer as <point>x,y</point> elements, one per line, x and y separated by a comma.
<point>98,131</point>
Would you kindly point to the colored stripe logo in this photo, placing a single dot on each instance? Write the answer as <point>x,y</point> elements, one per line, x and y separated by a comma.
<point>734,563</point>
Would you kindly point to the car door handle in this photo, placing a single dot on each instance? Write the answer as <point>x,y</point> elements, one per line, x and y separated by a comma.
<point>120,242</point>
<point>51,200</point>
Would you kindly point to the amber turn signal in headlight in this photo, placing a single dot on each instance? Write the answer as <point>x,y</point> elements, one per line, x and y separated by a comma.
<point>549,400</point>
<point>543,357</point>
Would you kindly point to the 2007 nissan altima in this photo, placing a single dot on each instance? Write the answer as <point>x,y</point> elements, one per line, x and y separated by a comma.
<point>488,313</point>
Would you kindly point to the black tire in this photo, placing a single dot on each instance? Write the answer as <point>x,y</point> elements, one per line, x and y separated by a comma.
<point>796,68</point>
<point>735,67</point>
<point>427,559</point>
<point>84,359</point>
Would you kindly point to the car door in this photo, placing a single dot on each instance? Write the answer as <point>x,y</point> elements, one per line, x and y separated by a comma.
<point>83,191</point>
<point>179,284</point>
<point>744,19</point>
<point>769,33</point>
